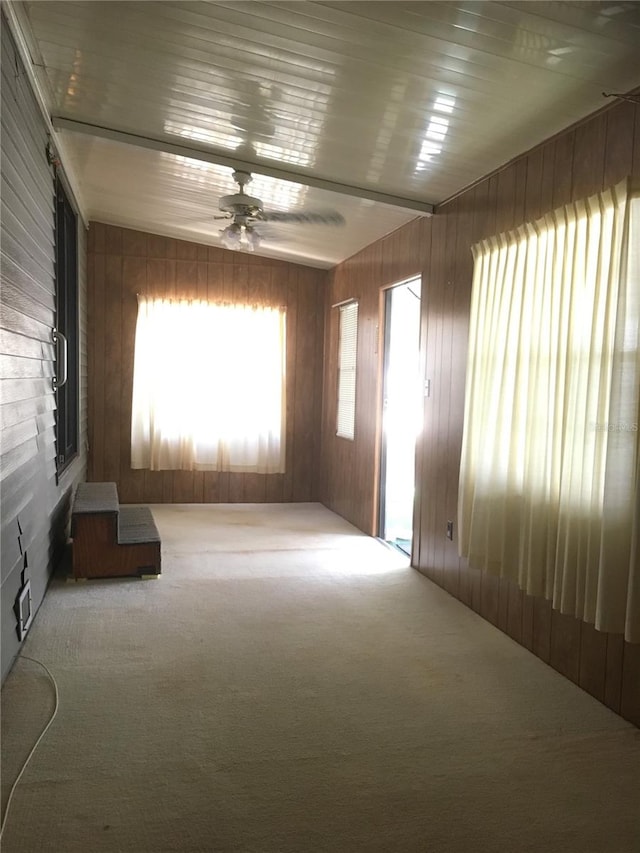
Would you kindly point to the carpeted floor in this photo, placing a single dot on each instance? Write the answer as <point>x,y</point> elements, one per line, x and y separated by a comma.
<point>288,686</point>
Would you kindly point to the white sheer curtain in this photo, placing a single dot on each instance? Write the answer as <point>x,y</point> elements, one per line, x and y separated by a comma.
<point>549,480</point>
<point>208,387</point>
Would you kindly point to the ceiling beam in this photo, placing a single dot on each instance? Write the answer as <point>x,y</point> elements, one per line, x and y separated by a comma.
<point>223,158</point>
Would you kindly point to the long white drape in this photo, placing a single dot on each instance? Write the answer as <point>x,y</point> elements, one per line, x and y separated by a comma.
<point>549,480</point>
<point>208,387</point>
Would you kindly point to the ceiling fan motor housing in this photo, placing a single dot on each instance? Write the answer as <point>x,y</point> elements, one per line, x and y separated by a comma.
<point>240,203</point>
<point>246,210</point>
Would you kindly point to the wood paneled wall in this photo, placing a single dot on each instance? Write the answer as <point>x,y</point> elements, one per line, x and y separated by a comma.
<point>34,502</point>
<point>122,263</point>
<point>349,468</point>
<point>598,153</point>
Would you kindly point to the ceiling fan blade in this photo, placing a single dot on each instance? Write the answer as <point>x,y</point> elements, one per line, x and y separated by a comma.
<point>309,217</point>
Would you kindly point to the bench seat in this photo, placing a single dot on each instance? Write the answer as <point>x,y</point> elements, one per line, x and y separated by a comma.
<point>110,540</point>
<point>136,525</point>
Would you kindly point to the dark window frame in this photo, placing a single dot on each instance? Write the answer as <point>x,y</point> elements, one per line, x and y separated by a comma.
<point>67,322</point>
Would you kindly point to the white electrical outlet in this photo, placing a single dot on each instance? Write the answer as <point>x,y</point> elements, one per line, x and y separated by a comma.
<point>24,611</point>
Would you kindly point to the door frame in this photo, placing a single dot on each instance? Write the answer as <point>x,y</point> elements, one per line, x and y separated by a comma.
<point>382,340</point>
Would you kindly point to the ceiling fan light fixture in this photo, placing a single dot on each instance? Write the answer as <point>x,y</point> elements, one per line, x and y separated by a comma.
<point>237,236</point>
<point>245,210</point>
<point>232,236</point>
<point>252,238</point>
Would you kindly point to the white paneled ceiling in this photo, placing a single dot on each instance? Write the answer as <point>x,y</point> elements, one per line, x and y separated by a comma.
<point>372,109</point>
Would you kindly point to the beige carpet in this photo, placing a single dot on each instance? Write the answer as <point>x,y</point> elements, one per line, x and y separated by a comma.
<point>290,685</point>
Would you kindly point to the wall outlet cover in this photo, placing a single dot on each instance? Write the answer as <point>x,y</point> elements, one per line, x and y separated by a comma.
<point>24,613</point>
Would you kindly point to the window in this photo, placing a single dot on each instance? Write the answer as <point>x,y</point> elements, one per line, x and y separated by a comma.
<point>347,357</point>
<point>548,482</point>
<point>66,237</point>
<point>208,387</point>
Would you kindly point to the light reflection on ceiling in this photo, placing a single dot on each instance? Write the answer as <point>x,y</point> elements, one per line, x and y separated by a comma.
<point>436,132</point>
<point>411,99</point>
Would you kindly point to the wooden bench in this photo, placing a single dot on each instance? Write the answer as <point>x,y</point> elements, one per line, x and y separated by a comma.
<point>110,540</point>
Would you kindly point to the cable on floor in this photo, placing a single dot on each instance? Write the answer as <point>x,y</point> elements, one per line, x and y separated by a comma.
<point>36,744</point>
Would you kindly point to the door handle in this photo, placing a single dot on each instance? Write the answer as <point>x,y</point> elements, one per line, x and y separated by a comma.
<point>61,359</point>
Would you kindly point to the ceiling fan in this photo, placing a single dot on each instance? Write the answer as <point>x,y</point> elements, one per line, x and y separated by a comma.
<point>246,211</point>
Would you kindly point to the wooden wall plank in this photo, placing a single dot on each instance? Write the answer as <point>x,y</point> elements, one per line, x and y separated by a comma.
<point>614,672</point>
<point>593,661</point>
<point>527,621</point>
<point>434,424</point>
<point>307,389</point>
<point>504,592</point>
<point>447,553</point>
<point>134,245</point>
<point>589,158</point>
<point>532,203</point>
<point>112,359</point>
<point>490,598</point>
<point>565,645</point>
<point>515,613</point>
<point>521,188</point>
<point>635,168</point>
<point>123,263</point>
<point>134,281</point>
<point>422,475</point>
<point>630,699</point>
<point>618,147</point>
<point>580,162</point>
<point>506,199</point>
<point>563,169</point>
<point>97,361</point>
<point>542,628</point>
<point>546,199</point>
